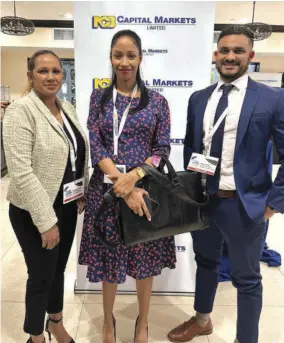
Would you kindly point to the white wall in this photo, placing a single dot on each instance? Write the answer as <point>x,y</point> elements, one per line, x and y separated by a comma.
<point>272,45</point>
<point>42,37</point>
<point>240,12</point>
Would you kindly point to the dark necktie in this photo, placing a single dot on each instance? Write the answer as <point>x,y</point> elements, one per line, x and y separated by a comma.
<point>217,140</point>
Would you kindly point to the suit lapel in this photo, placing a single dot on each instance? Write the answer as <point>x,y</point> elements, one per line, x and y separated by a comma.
<point>48,115</point>
<point>72,117</point>
<point>200,111</point>
<point>250,100</point>
<point>66,109</point>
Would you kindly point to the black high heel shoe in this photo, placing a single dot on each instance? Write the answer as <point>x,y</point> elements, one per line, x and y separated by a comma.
<point>30,340</point>
<point>136,328</point>
<point>56,322</point>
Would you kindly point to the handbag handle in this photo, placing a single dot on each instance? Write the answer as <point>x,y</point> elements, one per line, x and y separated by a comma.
<point>172,183</point>
<point>171,171</point>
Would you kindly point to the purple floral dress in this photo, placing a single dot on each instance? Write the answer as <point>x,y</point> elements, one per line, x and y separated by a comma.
<point>146,133</point>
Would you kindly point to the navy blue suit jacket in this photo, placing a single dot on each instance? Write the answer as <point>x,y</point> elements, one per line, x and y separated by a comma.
<point>262,116</point>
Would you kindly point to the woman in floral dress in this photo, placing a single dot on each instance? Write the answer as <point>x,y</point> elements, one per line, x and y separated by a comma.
<point>144,137</point>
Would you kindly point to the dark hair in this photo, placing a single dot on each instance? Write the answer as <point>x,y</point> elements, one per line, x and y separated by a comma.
<point>107,94</point>
<point>32,62</point>
<point>237,30</point>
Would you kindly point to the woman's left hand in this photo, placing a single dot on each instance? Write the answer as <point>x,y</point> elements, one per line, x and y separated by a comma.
<point>81,204</point>
<point>123,183</point>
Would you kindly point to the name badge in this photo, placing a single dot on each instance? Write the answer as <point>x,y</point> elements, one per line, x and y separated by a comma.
<point>203,164</point>
<point>73,190</point>
<point>120,167</point>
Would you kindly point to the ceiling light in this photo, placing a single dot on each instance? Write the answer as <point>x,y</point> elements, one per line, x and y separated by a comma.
<point>260,30</point>
<point>238,21</point>
<point>68,15</point>
<point>16,26</point>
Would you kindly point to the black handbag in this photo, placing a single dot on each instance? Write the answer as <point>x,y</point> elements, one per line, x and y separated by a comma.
<point>176,203</point>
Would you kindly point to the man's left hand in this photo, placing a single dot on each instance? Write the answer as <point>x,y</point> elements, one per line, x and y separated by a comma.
<point>269,213</point>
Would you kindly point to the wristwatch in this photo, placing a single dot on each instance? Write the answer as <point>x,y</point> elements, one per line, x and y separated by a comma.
<point>140,172</point>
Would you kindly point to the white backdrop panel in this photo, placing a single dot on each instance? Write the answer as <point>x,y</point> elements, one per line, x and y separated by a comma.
<point>177,57</point>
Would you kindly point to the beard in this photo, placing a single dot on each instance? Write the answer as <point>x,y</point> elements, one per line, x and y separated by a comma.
<point>230,77</point>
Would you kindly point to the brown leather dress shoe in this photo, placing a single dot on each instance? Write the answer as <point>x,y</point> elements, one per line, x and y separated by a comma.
<point>188,330</point>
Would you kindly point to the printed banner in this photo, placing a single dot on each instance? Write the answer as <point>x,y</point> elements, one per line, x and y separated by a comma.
<point>268,79</point>
<point>177,40</point>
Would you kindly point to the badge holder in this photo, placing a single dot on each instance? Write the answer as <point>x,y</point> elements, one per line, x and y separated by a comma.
<point>207,164</point>
<point>203,164</point>
<point>73,190</point>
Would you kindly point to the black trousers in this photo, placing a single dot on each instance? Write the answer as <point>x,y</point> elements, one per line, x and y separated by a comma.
<point>45,284</point>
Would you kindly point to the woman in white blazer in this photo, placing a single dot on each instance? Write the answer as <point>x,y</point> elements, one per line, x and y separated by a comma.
<point>47,157</point>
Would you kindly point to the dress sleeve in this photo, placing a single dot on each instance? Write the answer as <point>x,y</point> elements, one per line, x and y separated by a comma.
<point>97,145</point>
<point>161,142</point>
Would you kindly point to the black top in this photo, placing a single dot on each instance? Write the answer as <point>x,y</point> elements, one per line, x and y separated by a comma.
<point>80,161</point>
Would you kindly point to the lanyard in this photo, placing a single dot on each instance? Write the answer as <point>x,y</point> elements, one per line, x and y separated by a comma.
<point>72,145</point>
<point>210,134</point>
<point>117,129</point>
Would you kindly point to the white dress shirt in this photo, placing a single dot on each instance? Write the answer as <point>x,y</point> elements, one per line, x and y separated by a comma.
<point>235,103</point>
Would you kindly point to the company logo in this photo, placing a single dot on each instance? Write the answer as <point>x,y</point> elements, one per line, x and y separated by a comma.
<point>152,52</point>
<point>159,85</point>
<point>169,83</point>
<point>177,141</point>
<point>155,84</point>
<point>194,160</point>
<point>155,23</point>
<point>180,248</point>
<point>101,83</point>
<point>104,22</point>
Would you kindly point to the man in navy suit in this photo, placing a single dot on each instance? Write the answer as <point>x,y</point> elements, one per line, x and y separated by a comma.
<point>232,121</point>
